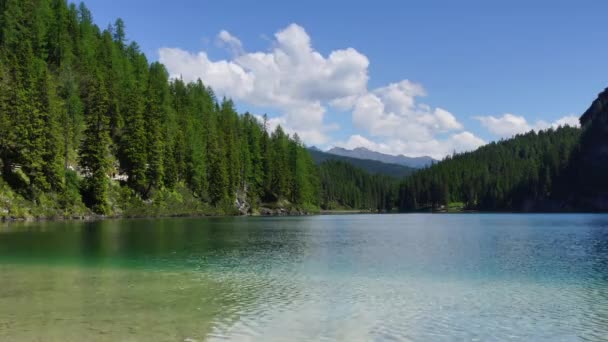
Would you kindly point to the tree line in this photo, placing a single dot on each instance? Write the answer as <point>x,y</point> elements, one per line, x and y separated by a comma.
<point>344,186</point>
<point>515,174</point>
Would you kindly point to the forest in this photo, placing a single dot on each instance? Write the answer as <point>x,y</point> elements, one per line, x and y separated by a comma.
<point>557,170</point>
<point>504,175</point>
<point>346,186</point>
<point>89,125</point>
<point>81,106</point>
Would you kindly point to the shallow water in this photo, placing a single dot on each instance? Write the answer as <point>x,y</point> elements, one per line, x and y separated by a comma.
<point>361,277</point>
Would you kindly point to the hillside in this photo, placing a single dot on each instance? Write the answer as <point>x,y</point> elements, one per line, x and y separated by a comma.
<point>364,153</point>
<point>525,173</point>
<point>89,125</point>
<point>371,166</point>
<point>557,170</point>
<point>344,186</point>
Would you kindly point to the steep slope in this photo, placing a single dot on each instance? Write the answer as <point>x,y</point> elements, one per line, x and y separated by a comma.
<point>364,153</point>
<point>371,166</point>
<point>586,183</point>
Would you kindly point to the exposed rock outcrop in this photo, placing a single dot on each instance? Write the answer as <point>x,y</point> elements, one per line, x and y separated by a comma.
<point>586,178</point>
<point>597,114</point>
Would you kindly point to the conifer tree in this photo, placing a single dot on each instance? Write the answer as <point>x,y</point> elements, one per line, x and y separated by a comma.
<point>94,152</point>
<point>74,96</point>
<point>132,143</point>
<point>157,114</point>
<point>217,172</point>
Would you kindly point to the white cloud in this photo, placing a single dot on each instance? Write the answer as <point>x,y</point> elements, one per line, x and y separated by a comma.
<point>570,120</point>
<point>319,137</point>
<point>506,125</point>
<point>509,125</point>
<point>292,77</point>
<point>300,83</point>
<point>393,112</point>
<point>231,42</point>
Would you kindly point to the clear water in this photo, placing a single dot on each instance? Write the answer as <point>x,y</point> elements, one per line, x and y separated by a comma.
<point>349,278</point>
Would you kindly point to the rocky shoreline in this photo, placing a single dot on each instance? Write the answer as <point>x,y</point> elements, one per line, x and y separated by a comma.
<point>267,212</point>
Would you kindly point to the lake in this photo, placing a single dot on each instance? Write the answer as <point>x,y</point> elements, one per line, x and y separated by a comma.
<point>417,277</point>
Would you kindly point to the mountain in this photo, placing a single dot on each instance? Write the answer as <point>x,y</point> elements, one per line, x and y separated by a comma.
<point>371,166</point>
<point>585,183</point>
<point>364,153</point>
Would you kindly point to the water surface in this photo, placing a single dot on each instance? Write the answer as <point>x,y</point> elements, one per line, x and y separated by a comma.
<point>360,277</point>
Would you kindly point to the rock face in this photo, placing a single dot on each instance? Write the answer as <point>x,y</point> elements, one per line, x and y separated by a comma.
<point>594,142</point>
<point>588,167</point>
<point>281,212</point>
<point>597,112</point>
<point>242,204</point>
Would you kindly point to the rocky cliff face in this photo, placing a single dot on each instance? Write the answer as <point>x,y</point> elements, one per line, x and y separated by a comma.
<point>597,114</point>
<point>587,174</point>
<point>594,143</point>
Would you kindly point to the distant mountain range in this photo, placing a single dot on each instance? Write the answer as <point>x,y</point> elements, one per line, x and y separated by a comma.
<point>364,153</point>
<point>371,166</point>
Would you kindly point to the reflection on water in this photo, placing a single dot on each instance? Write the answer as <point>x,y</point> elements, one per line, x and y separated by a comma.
<point>389,277</point>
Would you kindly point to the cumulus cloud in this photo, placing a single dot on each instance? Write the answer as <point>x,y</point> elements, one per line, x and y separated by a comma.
<point>394,112</point>
<point>504,126</point>
<point>231,42</point>
<point>300,83</point>
<point>292,77</point>
<point>569,120</point>
<point>508,125</point>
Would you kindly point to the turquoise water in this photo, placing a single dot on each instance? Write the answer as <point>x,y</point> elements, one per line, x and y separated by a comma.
<point>361,277</point>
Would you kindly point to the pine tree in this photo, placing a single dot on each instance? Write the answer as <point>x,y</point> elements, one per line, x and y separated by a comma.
<point>119,33</point>
<point>217,172</point>
<point>94,152</point>
<point>157,113</point>
<point>132,143</point>
<point>279,165</point>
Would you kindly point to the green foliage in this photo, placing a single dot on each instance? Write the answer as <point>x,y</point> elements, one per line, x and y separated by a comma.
<point>347,187</point>
<point>84,118</point>
<point>95,152</point>
<point>515,174</point>
<point>70,201</point>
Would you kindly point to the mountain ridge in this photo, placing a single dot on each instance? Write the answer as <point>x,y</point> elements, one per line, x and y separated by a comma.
<point>365,153</point>
<point>368,165</point>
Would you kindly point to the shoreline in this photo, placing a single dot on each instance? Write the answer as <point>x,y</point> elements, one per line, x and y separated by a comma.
<point>93,218</point>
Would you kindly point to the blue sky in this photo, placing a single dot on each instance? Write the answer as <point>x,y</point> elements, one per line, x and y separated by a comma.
<point>412,77</point>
